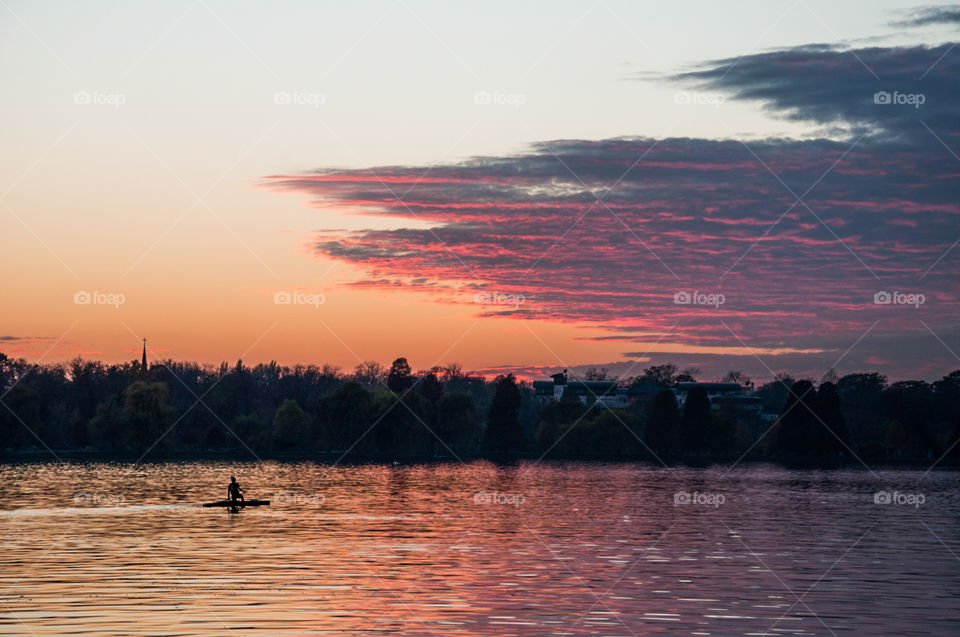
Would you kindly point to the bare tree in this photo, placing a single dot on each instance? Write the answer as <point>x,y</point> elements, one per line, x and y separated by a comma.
<point>369,373</point>
<point>451,371</point>
<point>736,376</point>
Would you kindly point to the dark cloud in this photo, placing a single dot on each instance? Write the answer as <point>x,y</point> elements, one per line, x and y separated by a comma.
<point>871,90</point>
<point>613,232</point>
<point>931,15</point>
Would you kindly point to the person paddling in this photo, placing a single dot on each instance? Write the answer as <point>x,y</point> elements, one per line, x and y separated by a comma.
<point>234,492</point>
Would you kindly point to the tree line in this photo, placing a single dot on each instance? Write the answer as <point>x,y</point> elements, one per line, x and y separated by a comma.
<point>374,412</point>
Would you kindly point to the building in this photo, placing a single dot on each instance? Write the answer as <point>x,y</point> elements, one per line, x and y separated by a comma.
<point>607,393</point>
<point>611,394</point>
<point>718,393</point>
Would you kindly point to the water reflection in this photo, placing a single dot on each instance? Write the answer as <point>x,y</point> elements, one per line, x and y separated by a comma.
<point>449,549</point>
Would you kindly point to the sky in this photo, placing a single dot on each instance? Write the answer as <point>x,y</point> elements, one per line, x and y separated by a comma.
<point>759,186</point>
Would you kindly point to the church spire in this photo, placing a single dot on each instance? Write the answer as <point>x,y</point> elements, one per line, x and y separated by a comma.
<point>143,361</point>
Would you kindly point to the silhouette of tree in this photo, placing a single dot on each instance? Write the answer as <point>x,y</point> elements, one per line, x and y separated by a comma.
<point>774,393</point>
<point>556,416</point>
<point>736,377</point>
<point>240,383</point>
<point>951,444</point>
<point>291,425</point>
<point>798,430</point>
<point>146,415</point>
<point>400,378</point>
<point>22,411</point>
<point>909,402</point>
<point>451,372</point>
<point>8,371</point>
<point>251,432</point>
<point>945,414</point>
<point>117,408</point>
<point>609,433</point>
<point>737,426</point>
<point>695,421</point>
<point>721,432</point>
<point>594,373</point>
<point>663,422</point>
<point>430,387</point>
<point>346,416</point>
<point>861,398</point>
<point>431,390</point>
<point>106,427</point>
<point>504,432</point>
<point>830,410</point>
<point>369,373</point>
<point>89,385</point>
<point>894,438</point>
<point>458,423</point>
<point>216,437</point>
<point>399,430</point>
<point>663,375</point>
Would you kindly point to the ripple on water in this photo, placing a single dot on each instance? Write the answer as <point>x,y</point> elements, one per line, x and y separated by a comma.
<point>588,549</point>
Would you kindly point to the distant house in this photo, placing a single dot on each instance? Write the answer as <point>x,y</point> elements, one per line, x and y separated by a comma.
<point>734,393</point>
<point>607,393</point>
<point>644,388</point>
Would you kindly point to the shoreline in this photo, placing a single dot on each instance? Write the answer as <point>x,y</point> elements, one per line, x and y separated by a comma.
<point>338,458</point>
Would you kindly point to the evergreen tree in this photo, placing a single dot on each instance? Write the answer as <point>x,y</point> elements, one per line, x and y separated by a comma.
<point>400,379</point>
<point>830,411</point>
<point>663,422</point>
<point>431,390</point>
<point>798,431</point>
<point>430,387</point>
<point>696,420</point>
<point>861,397</point>
<point>504,432</point>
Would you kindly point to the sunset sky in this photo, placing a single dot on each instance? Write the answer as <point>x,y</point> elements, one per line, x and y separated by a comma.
<point>606,183</point>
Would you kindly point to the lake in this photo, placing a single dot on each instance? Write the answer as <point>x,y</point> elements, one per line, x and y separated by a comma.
<point>528,549</point>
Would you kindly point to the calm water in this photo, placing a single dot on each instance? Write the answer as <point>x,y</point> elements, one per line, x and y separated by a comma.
<point>527,550</point>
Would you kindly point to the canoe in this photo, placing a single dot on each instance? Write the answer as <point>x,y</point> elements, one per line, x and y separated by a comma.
<point>238,503</point>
